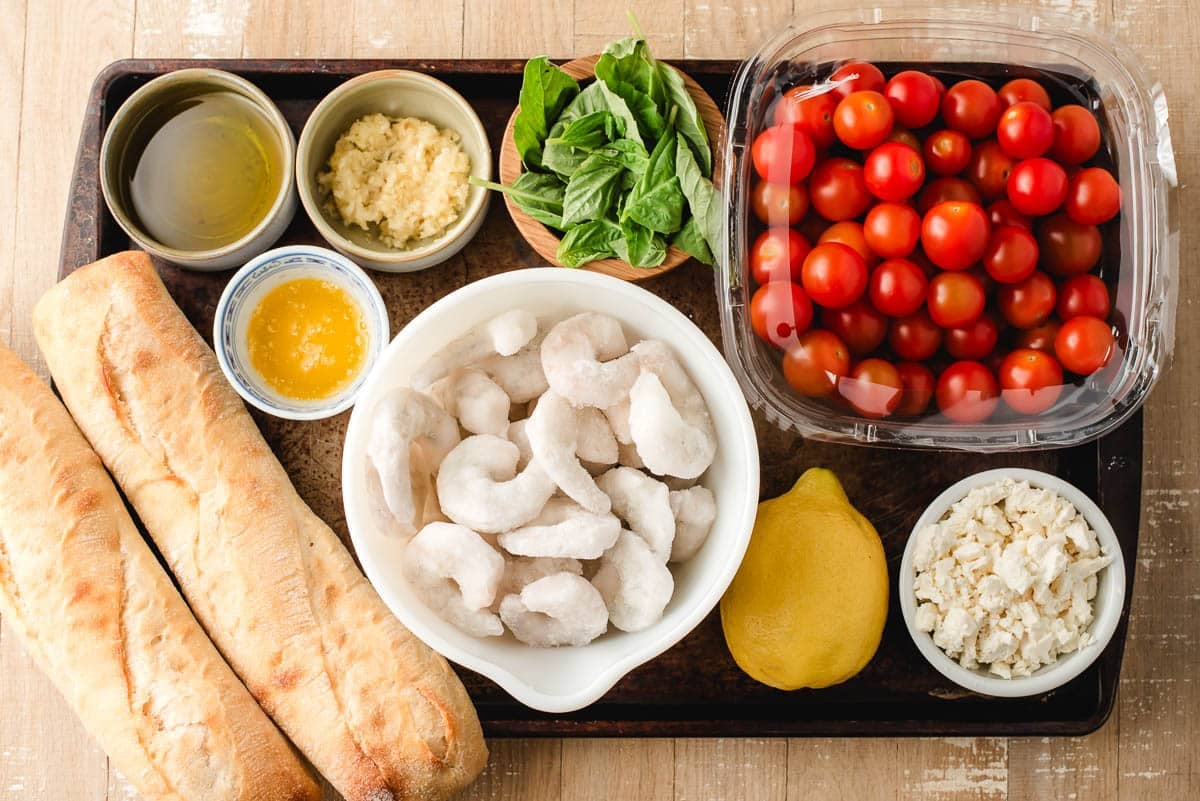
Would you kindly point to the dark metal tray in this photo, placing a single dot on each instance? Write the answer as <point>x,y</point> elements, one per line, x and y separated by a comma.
<point>694,688</point>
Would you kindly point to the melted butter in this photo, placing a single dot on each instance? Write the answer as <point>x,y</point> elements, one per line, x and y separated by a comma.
<point>307,339</point>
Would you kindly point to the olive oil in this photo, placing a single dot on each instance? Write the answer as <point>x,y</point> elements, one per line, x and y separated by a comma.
<point>201,171</point>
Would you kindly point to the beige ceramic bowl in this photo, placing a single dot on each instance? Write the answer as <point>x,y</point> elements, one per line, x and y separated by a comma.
<point>396,93</point>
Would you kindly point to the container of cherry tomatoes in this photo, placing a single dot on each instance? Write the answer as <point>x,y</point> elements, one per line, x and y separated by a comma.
<point>947,229</point>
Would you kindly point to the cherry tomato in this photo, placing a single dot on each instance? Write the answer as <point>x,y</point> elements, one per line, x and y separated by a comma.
<point>971,107</point>
<point>967,392</point>
<point>892,229</point>
<point>1037,186</point>
<point>873,387</point>
<point>1030,380</point>
<point>1002,212</point>
<point>1083,296</point>
<point>782,154</point>
<point>916,388</point>
<point>779,312</point>
<point>812,226</point>
<point>837,189</point>
<point>940,190</point>
<point>955,299</point>
<point>1011,255</point>
<point>989,168</point>
<point>1066,247</point>
<point>914,97</point>
<point>1039,338</point>
<point>1076,134</point>
<point>974,340</point>
<point>863,120</point>
<point>1025,130</point>
<point>779,204</point>
<point>947,152</point>
<point>897,287</point>
<point>834,275</point>
<point>850,234</point>
<point>954,235</point>
<point>905,137</point>
<point>1084,344</point>
<point>1093,196</point>
<point>915,337</point>
<point>815,362</point>
<point>869,78</point>
<point>1020,90</point>
<point>777,255</point>
<point>813,115</point>
<point>1028,303</point>
<point>860,325</point>
<point>893,171</point>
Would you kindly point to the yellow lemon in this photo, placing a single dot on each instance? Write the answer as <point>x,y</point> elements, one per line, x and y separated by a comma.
<point>808,604</point>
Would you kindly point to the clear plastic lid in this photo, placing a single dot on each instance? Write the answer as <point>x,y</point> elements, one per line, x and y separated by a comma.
<point>1140,254</point>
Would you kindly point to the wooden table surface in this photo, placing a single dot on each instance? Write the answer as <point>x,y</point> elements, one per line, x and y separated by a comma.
<point>50,51</point>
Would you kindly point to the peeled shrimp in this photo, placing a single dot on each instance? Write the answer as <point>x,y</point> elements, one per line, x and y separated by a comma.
<point>562,609</point>
<point>587,361</point>
<point>520,375</point>
<point>504,335</point>
<point>634,582</point>
<point>553,431</point>
<point>443,597</point>
<point>517,434</point>
<point>564,529</point>
<point>479,486</point>
<point>618,420</point>
<point>644,504</point>
<point>595,442</point>
<point>449,551</point>
<point>695,509</point>
<point>668,418</point>
<point>479,403</point>
<point>522,570</point>
<point>408,424</point>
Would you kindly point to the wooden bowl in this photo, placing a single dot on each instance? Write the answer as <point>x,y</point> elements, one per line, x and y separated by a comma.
<point>543,239</point>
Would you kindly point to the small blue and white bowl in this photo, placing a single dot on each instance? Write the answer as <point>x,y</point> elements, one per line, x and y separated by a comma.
<point>243,293</point>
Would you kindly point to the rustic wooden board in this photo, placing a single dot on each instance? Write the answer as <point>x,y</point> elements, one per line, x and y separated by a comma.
<point>693,689</point>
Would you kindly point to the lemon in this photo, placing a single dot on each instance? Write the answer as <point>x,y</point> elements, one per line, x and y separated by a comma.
<point>808,604</point>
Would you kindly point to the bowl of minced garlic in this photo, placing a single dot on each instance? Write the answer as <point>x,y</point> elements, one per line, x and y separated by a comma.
<point>297,330</point>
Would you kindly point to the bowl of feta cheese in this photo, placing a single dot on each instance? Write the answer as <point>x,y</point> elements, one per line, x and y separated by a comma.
<point>1012,582</point>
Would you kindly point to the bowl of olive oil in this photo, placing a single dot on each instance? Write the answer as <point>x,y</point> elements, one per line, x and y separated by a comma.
<point>197,167</point>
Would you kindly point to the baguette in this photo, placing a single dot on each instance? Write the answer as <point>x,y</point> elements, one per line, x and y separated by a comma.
<point>98,614</point>
<point>380,714</point>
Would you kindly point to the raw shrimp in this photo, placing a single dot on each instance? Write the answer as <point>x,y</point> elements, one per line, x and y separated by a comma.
<point>520,375</point>
<point>562,609</point>
<point>504,334</point>
<point>644,504</point>
<point>634,582</point>
<point>411,434</point>
<point>479,403</point>
<point>519,436</point>
<point>553,431</point>
<point>480,488</point>
<point>595,442</point>
<point>695,509</point>
<point>442,596</point>
<point>564,529</point>
<point>587,361</point>
<point>668,419</point>
<point>627,456</point>
<point>449,551</point>
<point>618,421</point>
<point>522,570</point>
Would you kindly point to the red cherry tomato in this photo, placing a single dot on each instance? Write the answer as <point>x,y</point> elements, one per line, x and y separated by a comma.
<point>954,235</point>
<point>915,337</point>
<point>916,388</point>
<point>1037,186</point>
<point>974,340</point>
<point>779,312</point>
<point>782,154</point>
<point>905,137</point>
<point>777,255</point>
<point>1030,380</point>
<point>1076,134</point>
<point>1066,247</point>
<point>1011,255</point>
<point>893,171</point>
<point>863,120</point>
<point>860,325</point>
<point>870,78</point>
<point>955,299</point>
<point>971,107</point>
<point>1002,212</point>
<point>1025,130</point>
<point>815,362</point>
<point>837,190</point>
<point>1020,90</point>
<point>850,234</point>
<point>1028,303</point>
<point>989,169</point>
<point>834,275</point>
<point>1084,344</point>
<point>940,190</point>
<point>779,204</point>
<point>897,287</point>
<point>892,229</point>
<point>1083,296</point>
<point>967,392</point>
<point>873,388</point>
<point>813,115</point>
<point>1093,196</point>
<point>947,152</point>
<point>1039,338</point>
<point>914,97</point>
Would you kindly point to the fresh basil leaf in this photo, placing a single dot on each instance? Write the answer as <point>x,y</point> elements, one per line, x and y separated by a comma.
<point>702,198</point>
<point>545,92</point>
<point>639,246</point>
<point>631,154</point>
<point>656,201</point>
<point>560,158</point>
<point>537,194</point>
<point>690,240</point>
<point>592,190</point>
<point>620,109</point>
<point>588,132</point>
<point>588,242</point>
<point>629,61</point>
<point>687,118</point>
<point>589,101</point>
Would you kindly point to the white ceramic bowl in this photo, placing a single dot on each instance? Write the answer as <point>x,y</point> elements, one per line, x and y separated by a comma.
<point>1107,605</point>
<point>563,679</point>
<point>247,287</point>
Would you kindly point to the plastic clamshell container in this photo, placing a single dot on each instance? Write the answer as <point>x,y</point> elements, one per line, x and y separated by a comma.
<point>1140,258</point>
